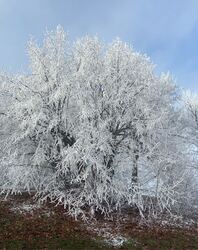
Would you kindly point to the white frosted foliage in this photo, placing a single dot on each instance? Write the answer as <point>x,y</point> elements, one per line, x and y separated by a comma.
<point>90,125</point>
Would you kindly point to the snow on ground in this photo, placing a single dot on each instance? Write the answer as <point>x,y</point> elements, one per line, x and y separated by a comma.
<point>110,238</point>
<point>25,208</point>
<point>114,240</point>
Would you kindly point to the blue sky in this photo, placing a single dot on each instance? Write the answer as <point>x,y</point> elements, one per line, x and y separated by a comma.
<point>166,30</point>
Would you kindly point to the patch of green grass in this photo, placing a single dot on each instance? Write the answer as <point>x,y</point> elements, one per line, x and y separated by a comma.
<point>176,241</point>
<point>129,244</point>
<point>152,242</point>
<point>60,244</point>
<point>13,244</point>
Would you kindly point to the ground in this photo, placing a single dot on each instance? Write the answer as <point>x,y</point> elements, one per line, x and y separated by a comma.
<point>27,225</point>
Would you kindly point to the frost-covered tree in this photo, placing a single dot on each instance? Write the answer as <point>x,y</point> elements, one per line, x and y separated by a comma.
<point>188,137</point>
<point>91,125</point>
<point>190,120</point>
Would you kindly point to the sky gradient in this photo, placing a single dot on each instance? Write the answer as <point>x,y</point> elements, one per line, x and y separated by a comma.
<point>165,30</point>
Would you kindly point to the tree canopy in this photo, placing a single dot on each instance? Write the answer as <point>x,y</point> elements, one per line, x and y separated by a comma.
<point>93,124</point>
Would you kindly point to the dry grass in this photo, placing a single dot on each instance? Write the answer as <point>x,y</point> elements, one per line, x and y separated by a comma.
<point>25,226</point>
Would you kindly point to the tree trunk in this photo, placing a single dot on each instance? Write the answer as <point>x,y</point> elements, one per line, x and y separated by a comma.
<point>135,171</point>
<point>134,177</point>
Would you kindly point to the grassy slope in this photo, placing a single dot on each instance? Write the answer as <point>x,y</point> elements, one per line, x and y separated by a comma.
<point>50,228</point>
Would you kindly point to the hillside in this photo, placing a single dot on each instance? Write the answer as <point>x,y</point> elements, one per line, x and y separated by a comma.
<point>26,225</point>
